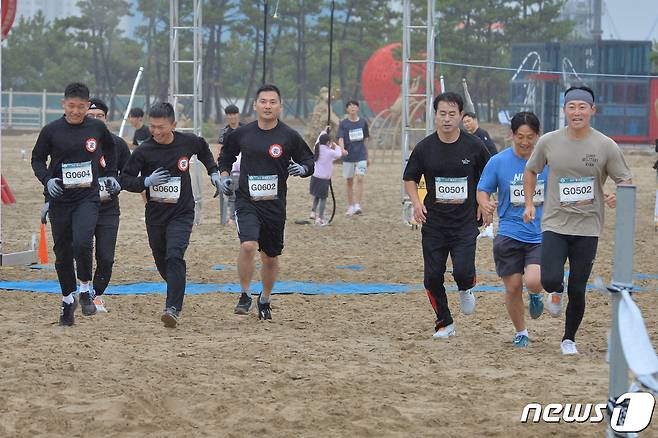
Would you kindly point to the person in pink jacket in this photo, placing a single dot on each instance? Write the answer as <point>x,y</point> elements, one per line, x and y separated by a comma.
<point>326,152</point>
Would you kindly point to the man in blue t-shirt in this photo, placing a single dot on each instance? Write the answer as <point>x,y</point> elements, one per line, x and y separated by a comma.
<point>353,136</point>
<point>517,246</point>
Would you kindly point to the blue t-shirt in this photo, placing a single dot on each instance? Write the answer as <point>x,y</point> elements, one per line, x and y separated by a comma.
<point>504,174</point>
<point>353,135</point>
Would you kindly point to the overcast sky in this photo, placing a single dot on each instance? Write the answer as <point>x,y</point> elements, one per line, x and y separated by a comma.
<point>630,19</point>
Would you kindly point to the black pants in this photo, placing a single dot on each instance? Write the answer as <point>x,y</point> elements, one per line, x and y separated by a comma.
<point>460,245</point>
<point>73,226</point>
<point>581,251</point>
<point>168,243</point>
<point>107,228</point>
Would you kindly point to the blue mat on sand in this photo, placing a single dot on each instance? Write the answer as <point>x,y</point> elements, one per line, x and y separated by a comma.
<point>283,287</point>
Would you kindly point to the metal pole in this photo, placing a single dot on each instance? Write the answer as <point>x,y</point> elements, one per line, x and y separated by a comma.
<point>44,103</point>
<point>130,101</point>
<point>622,278</point>
<point>0,136</point>
<point>265,9</point>
<point>10,108</point>
<point>429,69</point>
<point>406,44</point>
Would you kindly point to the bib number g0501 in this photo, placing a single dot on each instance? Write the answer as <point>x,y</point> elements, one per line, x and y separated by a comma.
<point>451,190</point>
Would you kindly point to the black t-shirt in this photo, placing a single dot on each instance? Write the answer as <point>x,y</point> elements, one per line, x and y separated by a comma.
<point>226,131</point>
<point>265,153</point>
<point>175,157</point>
<point>79,147</point>
<point>141,135</point>
<point>111,207</point>
<point>433,158</point>
<point>486,139</point>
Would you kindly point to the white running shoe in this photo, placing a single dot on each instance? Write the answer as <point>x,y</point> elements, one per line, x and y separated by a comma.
<point>357,209</point>
<point>467,301</point>
<point>100,304</point>
<point>444,332</point>
<point>554,304</point>
<point>487,232</point>
<point>350,211</point>
<point>568,347</point>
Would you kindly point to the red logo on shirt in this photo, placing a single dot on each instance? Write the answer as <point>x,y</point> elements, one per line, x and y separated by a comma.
<point>183,163</point>
<point>275,150</point>
<point>91,144</point>
<point>102,161</point>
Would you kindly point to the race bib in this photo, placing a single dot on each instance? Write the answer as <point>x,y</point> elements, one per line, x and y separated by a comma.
<point>451,190</point>
<point>516,194</point>
<point>102,190</point>
<point>77,174</point>
<point>356,134</point>
<point>263,187</point>
<point>168,192</point>
<point>577,191</point>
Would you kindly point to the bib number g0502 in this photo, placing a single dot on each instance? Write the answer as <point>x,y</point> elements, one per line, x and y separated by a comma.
<point>577,191</point>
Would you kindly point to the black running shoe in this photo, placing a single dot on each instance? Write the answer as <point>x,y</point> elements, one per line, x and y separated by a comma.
<point>87,304</point>
<point>67,313</point>
<point>264,310</point>
<point>243,305</point>
<point>170,317</point>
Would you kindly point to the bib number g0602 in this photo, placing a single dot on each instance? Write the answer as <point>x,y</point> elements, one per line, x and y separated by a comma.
<point>263,187</point>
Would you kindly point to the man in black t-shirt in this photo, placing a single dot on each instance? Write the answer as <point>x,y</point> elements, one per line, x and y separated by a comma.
<point>136,119</point>
<point>161,165</point>
<point>267,146</point>
<point>74,145</point>
<point>471,124</point>
<point>233,118</point>
<point>107,226</point>
<point>451,161</point>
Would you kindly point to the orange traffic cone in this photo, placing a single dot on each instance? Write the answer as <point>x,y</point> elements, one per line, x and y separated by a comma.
<point>43,247</point>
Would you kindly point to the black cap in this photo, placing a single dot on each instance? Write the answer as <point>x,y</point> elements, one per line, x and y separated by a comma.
<point>231,109</point>
<point>96,103</point>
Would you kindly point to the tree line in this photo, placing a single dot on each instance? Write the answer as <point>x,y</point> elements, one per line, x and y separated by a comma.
<point>92,48</point>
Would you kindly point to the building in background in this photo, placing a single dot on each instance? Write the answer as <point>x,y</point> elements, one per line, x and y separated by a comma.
<point>625,103</point>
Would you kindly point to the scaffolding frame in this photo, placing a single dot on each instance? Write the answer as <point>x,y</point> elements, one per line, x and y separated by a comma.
<point>176,92</point>
<point>407,129</point>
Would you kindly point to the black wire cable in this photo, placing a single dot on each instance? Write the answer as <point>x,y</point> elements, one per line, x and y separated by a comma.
<point>331,47</point>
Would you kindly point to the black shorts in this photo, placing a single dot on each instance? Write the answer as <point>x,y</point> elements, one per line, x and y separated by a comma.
<point>319,187</point>
<point>255,226</point>
<point>512,256</point>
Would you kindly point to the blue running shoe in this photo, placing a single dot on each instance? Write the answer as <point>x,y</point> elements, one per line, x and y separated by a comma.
<point>520,341</point>
<point>536,305</point>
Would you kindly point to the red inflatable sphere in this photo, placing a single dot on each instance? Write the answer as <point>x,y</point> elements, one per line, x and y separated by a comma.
<point>382,76</point>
